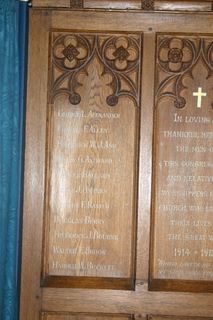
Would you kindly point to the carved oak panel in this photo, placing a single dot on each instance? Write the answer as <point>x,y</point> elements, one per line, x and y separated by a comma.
<point>182,247</point>
<point>91,170</point>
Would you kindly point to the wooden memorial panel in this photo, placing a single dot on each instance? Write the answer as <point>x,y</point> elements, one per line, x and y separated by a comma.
<point>66,316</point>
<point>92,156</point>
<point>182,213</point>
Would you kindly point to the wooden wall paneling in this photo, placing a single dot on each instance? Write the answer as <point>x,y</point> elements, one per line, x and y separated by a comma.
<point>139,302</point>
<point>137,21</point>
<point>162,297</point>
<point>34,167</point>
<point>98,301</point>
<point>81,316</point>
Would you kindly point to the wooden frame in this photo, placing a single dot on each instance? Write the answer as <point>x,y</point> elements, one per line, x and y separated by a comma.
<point>140,302</point>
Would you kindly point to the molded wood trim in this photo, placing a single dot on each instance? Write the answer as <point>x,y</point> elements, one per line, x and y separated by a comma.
<point>145,5</point>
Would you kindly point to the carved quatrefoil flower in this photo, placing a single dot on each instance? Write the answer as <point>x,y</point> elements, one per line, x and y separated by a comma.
<point>71,51</point>
<point>122,53</point>
<point>175,55</point>
<point>147,5</point>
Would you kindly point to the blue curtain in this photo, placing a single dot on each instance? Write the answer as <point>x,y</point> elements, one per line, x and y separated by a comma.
<point>12,86</point>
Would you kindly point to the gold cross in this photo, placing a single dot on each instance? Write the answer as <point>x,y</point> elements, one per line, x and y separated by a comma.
<point>199,94</point>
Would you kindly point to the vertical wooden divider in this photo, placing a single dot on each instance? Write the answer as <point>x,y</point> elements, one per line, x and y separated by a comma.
<point>145,165</point>
<point>34,167</point>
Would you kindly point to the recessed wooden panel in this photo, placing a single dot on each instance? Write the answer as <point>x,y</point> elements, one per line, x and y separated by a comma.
<point>92,155</point>
<point>113,4</point>
<point>183,168</point>
<point>66,316</point>
<point>176,318</point>
<point>183,5</point>
<point>51,3</point>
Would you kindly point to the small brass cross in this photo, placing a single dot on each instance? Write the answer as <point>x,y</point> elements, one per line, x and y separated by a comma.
<point>199,94</point>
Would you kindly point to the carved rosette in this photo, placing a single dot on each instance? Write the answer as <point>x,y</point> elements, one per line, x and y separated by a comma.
<point>76,4</point>
<point>176,59</point>
<point>147,5</point>
<point>119,56</point>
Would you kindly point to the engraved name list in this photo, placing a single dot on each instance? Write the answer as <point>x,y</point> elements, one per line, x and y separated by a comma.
<point>92,157</point>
